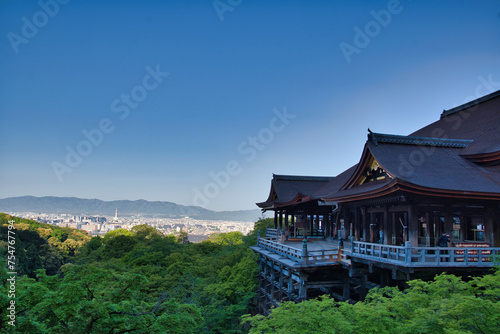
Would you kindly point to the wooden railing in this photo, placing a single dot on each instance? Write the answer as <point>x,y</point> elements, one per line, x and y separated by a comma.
<point>291,253</point>
<point>299,255</point>
<point>408,256</point>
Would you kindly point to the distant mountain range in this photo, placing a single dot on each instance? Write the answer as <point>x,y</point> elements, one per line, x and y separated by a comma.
<point>79,206</point>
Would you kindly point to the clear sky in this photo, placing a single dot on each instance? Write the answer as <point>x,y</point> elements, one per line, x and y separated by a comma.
<point>199,102</point>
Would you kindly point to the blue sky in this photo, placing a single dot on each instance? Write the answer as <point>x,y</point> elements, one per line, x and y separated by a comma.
<point>199,102</point>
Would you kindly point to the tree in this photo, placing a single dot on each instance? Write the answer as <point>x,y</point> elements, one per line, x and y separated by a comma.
<point>227,239</point>
<point>146,233</point>
<point>94,300</point>
<point>447,304</point>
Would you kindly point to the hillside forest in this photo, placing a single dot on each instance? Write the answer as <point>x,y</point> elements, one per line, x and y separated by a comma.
<point>141,281</point>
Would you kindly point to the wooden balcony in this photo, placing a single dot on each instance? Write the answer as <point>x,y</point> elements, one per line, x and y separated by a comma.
<point>321,252</point>
<point>297,253</point>
<point>425,257</point>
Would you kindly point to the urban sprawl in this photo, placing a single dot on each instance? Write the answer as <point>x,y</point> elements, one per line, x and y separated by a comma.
<point>196,229</point>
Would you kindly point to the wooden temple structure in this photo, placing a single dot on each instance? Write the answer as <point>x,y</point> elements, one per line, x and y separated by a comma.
<point>413,206</point>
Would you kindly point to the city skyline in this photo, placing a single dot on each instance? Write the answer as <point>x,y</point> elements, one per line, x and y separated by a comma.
<point>199,103</point>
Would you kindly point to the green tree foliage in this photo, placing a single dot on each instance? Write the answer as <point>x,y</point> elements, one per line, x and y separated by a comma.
<point>94,300</point>
<point>447,304</point>
<point>40,246</point>
<point>137,281</point>
<point>227,239</point>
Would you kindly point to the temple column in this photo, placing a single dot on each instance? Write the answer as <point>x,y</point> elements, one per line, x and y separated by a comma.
<point>364,219</point>
<point>280,221</point>
<point>448,222</point>
<point>357,224</point>
<point>303,287</point>
<point>393,228</point>
<point>286,224</point>
<point>385,225</point>
<point>304,225</point>
<point>326,225</point>
<point>275,219</point>
<point>373,227</point>
<point>427,229</point>
<point>489,229</point>
<point>463,226</point>
<point>438,228</point>
<point>412,225</point>
<point>311,223</point>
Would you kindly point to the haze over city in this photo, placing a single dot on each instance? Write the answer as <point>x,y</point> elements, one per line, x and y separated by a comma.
<point>199,102</point>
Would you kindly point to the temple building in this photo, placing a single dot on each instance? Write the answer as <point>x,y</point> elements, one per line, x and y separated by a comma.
<point>413,206</point>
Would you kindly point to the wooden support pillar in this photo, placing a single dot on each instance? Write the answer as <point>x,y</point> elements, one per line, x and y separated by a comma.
<point>335,221</point>
<point>272,280</point>
<point>373,227</point>
<point>357,224</point>
<point>491,232</point>
<point>463,226</point>
<point>385,226</point>
<point>281,282</point>
<point>412,225</point>
<point>346,289</point>
<point>275,219</point>
<point>304,224</point>
<point>364,220</point>
<point>281,220</point>
<point>405,227</point>
<point>286,220</point>
<point>363,289</point>
<point>332,222</point>
<point>347,223</point>
<point>290,283</point>
<point>325,225</point>
<point>448,221</point>
<point>428,229</point>
<point>350,231</point>
<point>303,287</point>
<point>438,228</point>
<point>393,228</point>
<point>310,227</point>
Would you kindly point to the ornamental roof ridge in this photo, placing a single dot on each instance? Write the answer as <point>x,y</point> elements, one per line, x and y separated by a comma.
<point>302,178</point>
<point>470,104</point>
<point>377,138</point>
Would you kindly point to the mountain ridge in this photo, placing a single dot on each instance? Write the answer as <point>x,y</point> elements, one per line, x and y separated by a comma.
<point>78,206</point>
